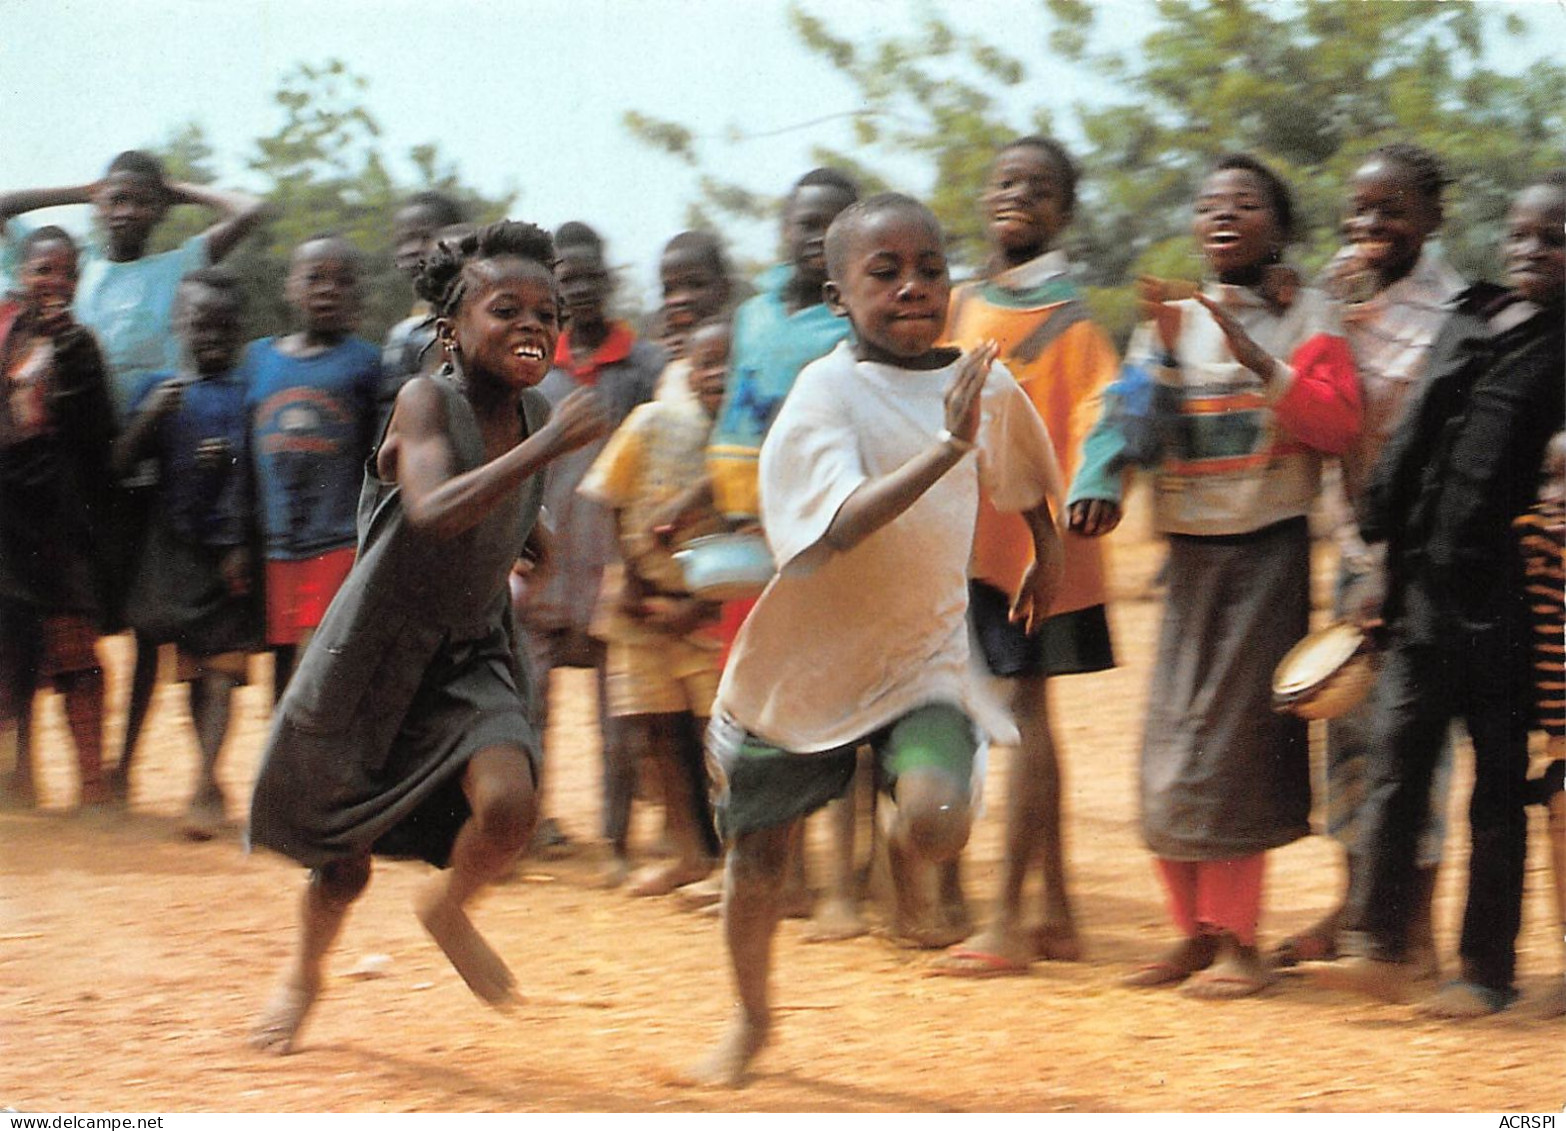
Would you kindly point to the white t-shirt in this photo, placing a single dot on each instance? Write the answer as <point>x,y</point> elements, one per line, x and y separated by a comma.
<point>843,643</point>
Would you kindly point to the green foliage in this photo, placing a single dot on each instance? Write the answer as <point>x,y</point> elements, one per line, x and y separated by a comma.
<point>324,170</point>
<point>1310,86</point>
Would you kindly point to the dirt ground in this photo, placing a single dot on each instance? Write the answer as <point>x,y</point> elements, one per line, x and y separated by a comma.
<point>132,964</point>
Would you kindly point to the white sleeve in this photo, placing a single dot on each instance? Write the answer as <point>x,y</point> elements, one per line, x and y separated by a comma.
<point>810,464</point>
<point>1017,463</point>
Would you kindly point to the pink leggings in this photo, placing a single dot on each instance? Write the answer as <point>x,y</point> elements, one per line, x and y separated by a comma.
<point>1208,896</point>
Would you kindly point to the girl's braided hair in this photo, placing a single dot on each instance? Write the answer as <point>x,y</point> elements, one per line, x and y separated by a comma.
<point>1430,176</point>
<point>442,281</point>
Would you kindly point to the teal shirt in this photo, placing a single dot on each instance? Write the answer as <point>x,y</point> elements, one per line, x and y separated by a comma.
<point>769,348</point>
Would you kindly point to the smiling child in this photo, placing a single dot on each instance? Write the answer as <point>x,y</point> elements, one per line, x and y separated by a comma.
<point>868,501</point>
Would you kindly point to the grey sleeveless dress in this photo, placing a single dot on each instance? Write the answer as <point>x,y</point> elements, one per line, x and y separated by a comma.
<point>410,674</point>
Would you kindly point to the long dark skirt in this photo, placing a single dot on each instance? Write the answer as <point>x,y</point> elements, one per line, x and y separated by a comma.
<point>1223,775</point>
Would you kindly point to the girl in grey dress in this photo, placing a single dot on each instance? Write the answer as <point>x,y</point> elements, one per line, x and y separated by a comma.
<point>406,730</point>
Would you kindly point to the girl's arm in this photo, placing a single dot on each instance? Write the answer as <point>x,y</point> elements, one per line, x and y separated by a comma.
<point>1034,596</point>
<point>876,502</point>
<point>418,455</point>
<point>30,200</point>
<point>238,214</point>
<point>1316,394</point>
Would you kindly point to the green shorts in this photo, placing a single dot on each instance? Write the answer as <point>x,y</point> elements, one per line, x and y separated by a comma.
<point>756,785</point>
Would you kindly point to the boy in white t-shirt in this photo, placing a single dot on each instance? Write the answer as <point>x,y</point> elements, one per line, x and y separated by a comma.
<point>868,501</point>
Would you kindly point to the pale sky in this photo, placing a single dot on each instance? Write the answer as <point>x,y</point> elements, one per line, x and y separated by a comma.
<point>517,93</point>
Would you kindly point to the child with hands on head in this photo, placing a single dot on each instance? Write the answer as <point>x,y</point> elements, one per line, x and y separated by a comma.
<point>126,298</point>
<point>869,482</point>
<point>407,729</point>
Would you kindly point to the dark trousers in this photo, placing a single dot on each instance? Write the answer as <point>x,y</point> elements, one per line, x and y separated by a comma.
<point>551,648</point>
<point>1480,677</point>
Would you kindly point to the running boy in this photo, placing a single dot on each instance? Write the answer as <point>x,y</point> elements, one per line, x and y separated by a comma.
<point>193,584</point>
<point>663,666</point>
<point>313,412</point>
<point>869,504</point>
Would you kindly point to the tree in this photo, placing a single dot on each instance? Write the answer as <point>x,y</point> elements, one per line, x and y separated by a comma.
<point>322,171</point>
<point>1309,86</point>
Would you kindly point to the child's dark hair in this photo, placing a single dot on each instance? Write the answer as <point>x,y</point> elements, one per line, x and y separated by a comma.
<point>1429,175</point>
<point>1282,199</point>
<point>218,279</point>
<point>577,236</point>
<point>825,177</point>
<point>441,280</point>
<point>49,233</point>
<point>445,209</point>
<point>703,245</point>
<point>841,233</point>
<point>139,164</point>
<point>1055,152</point>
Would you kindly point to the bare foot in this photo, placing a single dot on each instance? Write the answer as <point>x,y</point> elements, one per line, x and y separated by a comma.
<point>283,1017</point>
<point>95,795</point>
<point>661,879</point>
<point>838,919</point>
<point>1553,1003</point>
<point>481,968</point>
<point>1176,964</point>
<point>703,893</point>
<point>797,903</point>
<point>1238,972</point>
<point>1462,1001</point>
<point>615,874</point>
<point>204,819</point>
<point>1384,981</point>
<point>1057,942</point>
<point>724,1066</point>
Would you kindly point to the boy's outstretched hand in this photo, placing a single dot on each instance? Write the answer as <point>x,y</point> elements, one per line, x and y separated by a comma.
<point>962,399</point>
<point>579,420</point>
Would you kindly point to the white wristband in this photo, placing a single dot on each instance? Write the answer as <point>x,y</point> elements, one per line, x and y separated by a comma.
<point>962,446</point>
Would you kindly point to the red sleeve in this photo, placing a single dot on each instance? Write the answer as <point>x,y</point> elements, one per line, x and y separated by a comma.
<point>1321,409</point>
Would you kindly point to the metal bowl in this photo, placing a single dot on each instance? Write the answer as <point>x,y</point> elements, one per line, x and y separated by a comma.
<point>1326,675</point>
<point>726,567</point>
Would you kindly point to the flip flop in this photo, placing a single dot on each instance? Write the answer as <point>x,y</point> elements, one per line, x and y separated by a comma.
<point>1222,987</point>
<point>964,962</point>
<point>1302,948</point>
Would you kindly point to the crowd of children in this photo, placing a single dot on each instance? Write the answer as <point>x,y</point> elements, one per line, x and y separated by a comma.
<point>932,467</point>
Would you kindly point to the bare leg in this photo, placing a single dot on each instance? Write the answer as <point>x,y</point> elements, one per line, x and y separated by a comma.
<point>838,916</point>
<point>284,657</point>
<point>499,788</point>
<point>144,680</point>
<point>797,900</point>
<point>327,897</point>
<point>752,906</point>
<point>662,735</point>
<point>928,829</point>
<point>210,697</point>
<point>83,692</point>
